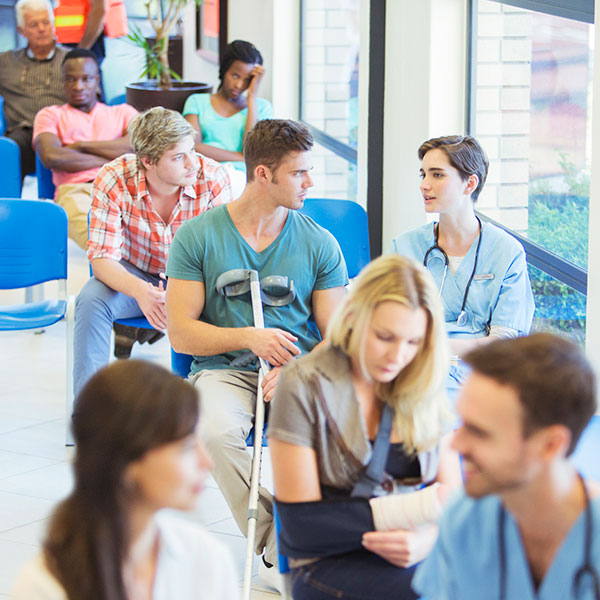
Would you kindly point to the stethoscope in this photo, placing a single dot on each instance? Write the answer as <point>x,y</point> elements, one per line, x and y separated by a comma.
<point>586,569</point>
<point>462,316</point>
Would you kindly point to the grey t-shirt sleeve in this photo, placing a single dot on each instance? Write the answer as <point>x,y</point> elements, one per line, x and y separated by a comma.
<point>292,412</point>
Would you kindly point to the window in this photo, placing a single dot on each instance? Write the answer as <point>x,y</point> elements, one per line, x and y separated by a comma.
<point>531,109</point>
<point>329,92</point>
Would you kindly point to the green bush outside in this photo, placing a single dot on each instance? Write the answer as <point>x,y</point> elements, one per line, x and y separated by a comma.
<point>559,223</point>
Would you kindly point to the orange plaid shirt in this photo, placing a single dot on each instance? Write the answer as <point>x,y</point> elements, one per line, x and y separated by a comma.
<point>123,223</point>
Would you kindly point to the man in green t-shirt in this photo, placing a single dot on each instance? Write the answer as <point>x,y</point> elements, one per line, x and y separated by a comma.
<point>263,231</point>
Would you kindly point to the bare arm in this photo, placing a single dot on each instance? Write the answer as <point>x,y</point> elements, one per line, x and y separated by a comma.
<point>106,149</point>
<point>57,157</point>
<point>461,347</point>
<point>151,299</point>
<point>185,303</point>
<point>295,472</point>
<point>94,24</point>
<point>213,152</point>
<point>252,117</point>
<point>449,472</point>
<point>324,304</point>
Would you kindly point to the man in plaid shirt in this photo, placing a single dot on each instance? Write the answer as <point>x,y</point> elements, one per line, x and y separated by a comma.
<point>139,201</point>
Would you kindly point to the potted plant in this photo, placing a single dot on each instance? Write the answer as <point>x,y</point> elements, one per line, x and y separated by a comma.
<point>164,87</point>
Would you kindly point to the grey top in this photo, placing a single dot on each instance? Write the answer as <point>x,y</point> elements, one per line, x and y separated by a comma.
<point>28,85</point>
<point>315,405</point>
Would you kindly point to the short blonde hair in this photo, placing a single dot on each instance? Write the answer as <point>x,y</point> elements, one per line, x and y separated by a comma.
<point>155,131</point>
<point>417,394</point>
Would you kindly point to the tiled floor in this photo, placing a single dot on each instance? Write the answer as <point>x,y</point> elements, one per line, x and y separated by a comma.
<point>34,463</point>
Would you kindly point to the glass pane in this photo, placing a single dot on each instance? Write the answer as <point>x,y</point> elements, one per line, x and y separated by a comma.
<point>333,176</point>
<point>330,43</point>
<point>533,117</point>
<point>558,307</point>
<point>8,32</point>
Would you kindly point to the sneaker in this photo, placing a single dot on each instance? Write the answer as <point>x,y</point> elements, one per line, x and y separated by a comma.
<point>270,576</point>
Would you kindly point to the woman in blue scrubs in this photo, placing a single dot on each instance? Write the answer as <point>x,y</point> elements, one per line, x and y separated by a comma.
<point>480,270</point>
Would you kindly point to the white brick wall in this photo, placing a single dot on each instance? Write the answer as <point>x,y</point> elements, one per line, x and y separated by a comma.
<point>328,60</point>
<point>502,118</point>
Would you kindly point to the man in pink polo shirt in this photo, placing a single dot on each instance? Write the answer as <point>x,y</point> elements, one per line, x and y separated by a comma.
<point>76,139</point>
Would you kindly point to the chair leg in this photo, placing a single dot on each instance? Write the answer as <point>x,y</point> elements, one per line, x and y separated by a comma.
<point>70,325</point>
<point>35,294</point>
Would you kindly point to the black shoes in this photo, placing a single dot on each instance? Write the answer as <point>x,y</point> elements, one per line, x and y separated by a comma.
<point>126,336</point>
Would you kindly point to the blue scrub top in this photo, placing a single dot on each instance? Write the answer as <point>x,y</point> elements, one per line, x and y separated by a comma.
<point>465,562</point>
<point>500,293</point>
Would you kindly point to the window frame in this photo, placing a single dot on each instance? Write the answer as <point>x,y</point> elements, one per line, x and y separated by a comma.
<point>374,167</point>
<point>547,261</point>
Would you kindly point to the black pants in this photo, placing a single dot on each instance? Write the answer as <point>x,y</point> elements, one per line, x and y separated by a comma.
<point>22,135</point>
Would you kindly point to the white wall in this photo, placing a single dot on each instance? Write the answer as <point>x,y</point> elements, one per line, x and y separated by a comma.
<point>424,97</point>
<point>593,297</point>
<point>273,27</point>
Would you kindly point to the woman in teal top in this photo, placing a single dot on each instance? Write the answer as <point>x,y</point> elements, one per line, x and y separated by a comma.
<point>223,119</point>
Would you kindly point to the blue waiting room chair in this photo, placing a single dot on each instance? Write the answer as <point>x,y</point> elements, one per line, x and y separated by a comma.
<point>10,168</point>
<point>45,185</point>
<point>33,250</point>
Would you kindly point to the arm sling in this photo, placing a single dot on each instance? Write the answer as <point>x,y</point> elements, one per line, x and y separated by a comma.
<point>335,525</point>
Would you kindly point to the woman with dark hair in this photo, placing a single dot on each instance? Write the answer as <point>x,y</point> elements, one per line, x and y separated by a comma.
<point>479,269</point>
<point>138,451</point>
<point>223,119</point>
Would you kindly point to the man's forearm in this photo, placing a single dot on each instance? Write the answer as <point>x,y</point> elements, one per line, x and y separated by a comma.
<point>94,24</point>
<point>202,339</point>
<point>70,161</point>
<point>106,149</point>
<point>116,277</point>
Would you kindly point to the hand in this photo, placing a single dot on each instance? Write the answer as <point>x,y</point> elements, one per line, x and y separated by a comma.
<point>269,382</point>
<point>401,547</point>
<point>151,300</point>
<point>276,346</point>
<point>77,146</point>
<point>257,75</point>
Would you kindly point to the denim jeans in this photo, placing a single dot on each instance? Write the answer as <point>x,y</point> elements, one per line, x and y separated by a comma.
<point>359,575</point>
<point>96,308</point>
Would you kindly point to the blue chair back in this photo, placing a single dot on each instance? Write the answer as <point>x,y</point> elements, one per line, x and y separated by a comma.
<point>181,364</point>
<point>33,242</point>
<point>46,187</point>
<point>10,167</point>
<point>348,223</point>
<point>2,121</point>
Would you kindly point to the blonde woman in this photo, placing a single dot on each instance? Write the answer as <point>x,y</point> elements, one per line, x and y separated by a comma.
<point>386,348</point>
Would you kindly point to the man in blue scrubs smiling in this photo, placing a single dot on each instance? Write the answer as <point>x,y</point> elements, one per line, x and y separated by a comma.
<point>528,526</point>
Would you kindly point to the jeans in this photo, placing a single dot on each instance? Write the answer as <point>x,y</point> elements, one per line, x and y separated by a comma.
<point>359,575</point>
<point>96,308</point>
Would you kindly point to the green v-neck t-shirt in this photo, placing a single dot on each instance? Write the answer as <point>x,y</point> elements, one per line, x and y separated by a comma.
<point>208,245</point>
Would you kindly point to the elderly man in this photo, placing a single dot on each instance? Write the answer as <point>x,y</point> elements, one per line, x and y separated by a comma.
<point>30,78</point>
<point>528,525</point>
<point>78,138</point>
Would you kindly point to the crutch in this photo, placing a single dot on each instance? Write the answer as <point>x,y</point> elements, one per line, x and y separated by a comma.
<point>235,283</point>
